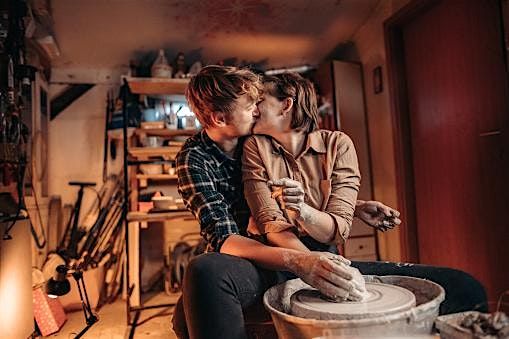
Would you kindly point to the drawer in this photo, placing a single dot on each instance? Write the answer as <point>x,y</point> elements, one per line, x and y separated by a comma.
<point>362,246</point>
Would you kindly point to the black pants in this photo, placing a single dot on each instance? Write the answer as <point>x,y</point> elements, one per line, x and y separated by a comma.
<point>218,287</point>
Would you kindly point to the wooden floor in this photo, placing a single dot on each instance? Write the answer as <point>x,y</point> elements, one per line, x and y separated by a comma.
<point>112,324</point>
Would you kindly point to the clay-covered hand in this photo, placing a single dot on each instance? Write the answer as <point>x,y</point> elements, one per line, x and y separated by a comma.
<point>329,273</point>
<point>359,283</point>
<point>291,194</point>
<point>377,215</point>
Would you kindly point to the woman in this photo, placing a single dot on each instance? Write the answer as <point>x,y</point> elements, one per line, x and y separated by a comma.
<point>320,178</point>
<point>313,173</point>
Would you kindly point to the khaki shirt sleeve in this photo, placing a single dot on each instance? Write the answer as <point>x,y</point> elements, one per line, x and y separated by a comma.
<point>264,209</point>
<point>345,183</point>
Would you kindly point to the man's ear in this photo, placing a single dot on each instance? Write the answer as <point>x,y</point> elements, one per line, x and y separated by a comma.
<point>287,106</point>
<point>218,119</point>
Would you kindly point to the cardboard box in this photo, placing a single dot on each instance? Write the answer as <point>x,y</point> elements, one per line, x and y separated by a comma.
<point>94,279</point>
<point>48,312</point>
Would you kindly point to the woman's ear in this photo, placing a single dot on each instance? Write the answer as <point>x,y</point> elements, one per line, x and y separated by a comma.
<point>218,119</point>
<point>287,105</point>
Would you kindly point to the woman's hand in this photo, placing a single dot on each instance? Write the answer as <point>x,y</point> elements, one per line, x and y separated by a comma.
<point>377,215</point>
<point>290,196</point>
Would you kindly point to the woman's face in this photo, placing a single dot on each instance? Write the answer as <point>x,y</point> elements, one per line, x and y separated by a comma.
<point>270,121</point>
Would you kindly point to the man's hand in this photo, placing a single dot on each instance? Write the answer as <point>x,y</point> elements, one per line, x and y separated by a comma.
<point>329,273</point>
<point>377,215</point>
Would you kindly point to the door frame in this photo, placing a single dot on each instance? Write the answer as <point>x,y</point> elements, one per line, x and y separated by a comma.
<point>400,117</point>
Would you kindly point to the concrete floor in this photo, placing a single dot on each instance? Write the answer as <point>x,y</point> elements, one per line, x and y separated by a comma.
<point>112,324</point>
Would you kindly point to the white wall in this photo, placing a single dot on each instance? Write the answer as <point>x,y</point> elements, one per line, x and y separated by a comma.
<point>76,142</point>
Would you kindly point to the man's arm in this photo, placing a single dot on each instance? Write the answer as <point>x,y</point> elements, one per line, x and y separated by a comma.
<point>200,195</point>
<point>329,273</point>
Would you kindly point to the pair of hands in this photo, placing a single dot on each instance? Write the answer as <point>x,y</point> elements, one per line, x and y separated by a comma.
<point>373,213</point>
<point>331,274</point>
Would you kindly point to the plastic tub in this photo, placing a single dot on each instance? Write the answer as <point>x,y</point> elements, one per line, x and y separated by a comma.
<point>417,321</point>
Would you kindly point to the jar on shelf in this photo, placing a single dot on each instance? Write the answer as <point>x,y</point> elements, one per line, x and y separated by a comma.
<point>160,67</point>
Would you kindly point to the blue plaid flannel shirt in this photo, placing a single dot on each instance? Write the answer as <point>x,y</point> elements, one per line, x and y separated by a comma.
<point>210,183</point>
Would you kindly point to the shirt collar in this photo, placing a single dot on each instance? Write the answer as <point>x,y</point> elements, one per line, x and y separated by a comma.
<point>211,146</point>
<point>314,141</point>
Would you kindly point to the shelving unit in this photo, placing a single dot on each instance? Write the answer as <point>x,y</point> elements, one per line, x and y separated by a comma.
<point>133,156</point>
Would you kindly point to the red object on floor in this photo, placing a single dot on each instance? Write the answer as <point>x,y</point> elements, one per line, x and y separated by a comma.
<point>48,312</point>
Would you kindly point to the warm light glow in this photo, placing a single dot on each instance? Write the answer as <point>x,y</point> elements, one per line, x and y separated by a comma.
<point>9,295</point>
<point>256,47</point>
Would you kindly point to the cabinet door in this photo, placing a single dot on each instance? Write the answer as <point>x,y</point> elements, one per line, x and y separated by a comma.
<point>351,119</point>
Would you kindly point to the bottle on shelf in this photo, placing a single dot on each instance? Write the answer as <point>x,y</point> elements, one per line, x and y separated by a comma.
<point>160,67</point>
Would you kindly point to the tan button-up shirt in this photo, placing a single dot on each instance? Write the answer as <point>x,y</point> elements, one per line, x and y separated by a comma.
<point>327,168</point>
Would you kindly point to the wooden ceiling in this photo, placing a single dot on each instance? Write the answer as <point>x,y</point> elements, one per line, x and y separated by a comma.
<point>270,33</point>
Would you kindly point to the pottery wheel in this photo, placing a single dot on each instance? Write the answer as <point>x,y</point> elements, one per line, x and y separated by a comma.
<point>383,299</point>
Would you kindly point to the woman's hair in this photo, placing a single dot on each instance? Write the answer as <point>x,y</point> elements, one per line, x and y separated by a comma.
<point>302,92</point>
<point>215,88</point>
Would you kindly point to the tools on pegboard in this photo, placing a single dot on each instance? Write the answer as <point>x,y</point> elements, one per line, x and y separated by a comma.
<point>15,81</point>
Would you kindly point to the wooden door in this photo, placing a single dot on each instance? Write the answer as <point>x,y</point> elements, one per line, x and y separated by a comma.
<point>457,106</point>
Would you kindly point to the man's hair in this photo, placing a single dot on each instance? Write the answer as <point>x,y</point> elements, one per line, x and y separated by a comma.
<point>215,88</point>
<point>302,92</point>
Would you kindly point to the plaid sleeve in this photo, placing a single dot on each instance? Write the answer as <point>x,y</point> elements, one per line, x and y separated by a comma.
<point>200,195</point>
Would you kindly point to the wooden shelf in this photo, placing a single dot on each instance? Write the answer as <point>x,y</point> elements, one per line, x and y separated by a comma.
<point>164,132</point>
<point>163,216</point>
<point>156,177</point>
<point>157,86</point>
<point>168,152</point>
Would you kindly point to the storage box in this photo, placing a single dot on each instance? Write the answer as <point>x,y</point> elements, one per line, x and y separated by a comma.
<point>48,312</point>
<point>94,279</point>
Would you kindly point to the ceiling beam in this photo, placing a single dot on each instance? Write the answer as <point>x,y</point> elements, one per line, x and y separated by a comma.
<point>67,97</point>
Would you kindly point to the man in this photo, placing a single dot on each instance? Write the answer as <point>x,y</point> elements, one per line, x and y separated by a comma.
<point>220,285</point>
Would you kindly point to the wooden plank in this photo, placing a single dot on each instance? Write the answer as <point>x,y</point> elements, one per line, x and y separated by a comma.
<point>168,133</point>
<point>156,176</point>
<point>133,248</point>
<point>144,216</point>
<point>157,85</point>
<point>147,152</point>
<point>67,97</point>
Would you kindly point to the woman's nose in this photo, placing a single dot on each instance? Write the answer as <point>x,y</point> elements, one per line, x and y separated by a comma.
<point>256,112</point>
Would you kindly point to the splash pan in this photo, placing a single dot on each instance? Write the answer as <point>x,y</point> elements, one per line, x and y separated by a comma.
<point>406,321</point>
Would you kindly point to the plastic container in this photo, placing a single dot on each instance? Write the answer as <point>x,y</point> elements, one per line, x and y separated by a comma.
<point>151,114</point>
<point>151,169</point>
<point>152,141</point>
<point>418,321</point>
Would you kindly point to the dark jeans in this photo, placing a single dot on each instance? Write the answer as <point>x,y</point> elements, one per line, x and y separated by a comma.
<point>218,287</point>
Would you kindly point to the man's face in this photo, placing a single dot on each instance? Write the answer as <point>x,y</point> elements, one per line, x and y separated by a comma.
<point>271,120</point>
<point>243,117</point>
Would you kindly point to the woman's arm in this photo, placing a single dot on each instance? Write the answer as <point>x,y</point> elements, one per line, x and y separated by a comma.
<point>334,223</point>
<point>319,225</point>
<point>267,214</point>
